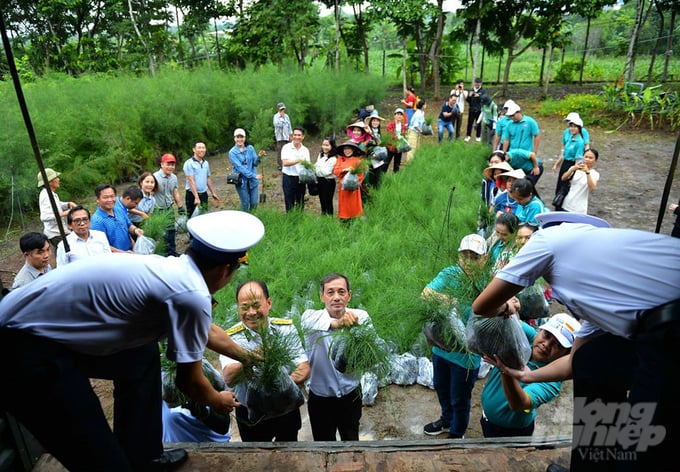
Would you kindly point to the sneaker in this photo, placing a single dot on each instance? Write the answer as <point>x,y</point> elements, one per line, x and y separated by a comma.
<point>467,138</point>
<point>436,427</point>
<point>556,468</point>
<point>478,139</point>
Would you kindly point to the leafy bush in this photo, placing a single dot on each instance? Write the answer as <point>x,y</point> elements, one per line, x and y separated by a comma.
<point>565,74</point>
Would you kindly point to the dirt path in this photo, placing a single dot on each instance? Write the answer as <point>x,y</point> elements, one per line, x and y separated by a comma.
<point>633,166</point>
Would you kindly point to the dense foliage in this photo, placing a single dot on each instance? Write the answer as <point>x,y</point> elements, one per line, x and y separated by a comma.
<point>408,236</point>
<point>106,129</point>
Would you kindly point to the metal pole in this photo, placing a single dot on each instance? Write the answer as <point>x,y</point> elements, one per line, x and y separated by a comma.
<point>29,127</point>
<point>667,187</point>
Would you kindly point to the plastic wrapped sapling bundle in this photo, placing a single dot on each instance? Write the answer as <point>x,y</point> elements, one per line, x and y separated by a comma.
<point>358,349</point>
<point>444,329</point>
<point>499,336</point>
<point>173,396</point>
<point>532,302</point>
<point>404,369</point>
<point>265,386</point>
<point>351,179</point>
<point>307,174</point>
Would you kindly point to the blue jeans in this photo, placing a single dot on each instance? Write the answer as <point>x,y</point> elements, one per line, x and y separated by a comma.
<point>248,193</point>
<point>454,385</point>
<point>440,129</point>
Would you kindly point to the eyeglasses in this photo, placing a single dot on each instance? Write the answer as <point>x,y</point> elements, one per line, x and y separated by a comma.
<point>80,221</point>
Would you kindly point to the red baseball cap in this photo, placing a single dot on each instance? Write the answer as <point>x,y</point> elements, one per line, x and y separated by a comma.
<point>168,158</point>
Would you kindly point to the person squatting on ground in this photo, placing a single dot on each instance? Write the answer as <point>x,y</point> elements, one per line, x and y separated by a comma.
<point>334,402</point>
<point>109,326</point>
<point>626,351</point>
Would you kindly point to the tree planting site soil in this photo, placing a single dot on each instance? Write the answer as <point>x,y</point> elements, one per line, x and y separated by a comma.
<point>633,167</point>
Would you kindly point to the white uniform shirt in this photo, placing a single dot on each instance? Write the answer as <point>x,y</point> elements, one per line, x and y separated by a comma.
<point>606,276</point>
<point>105,304</point>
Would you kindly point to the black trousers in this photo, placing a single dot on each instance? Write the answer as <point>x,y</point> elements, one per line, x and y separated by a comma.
<point>281,428</point>
<point>395,157</point>
<point>47,388</point>
<point>491,430</point>
<point>627,387</point>
<point>472,122</point>
<point>190,204</point>
<point>326,193</point>
<point>563,168</point>
<point>330,414</point>
<point>293,191</point>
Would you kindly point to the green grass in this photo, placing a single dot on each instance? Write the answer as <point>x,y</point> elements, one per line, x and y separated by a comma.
<point>406,238</point>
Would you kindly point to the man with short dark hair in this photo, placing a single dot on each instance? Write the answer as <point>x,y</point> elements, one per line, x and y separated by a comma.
<point>111,218</point>
<point>198,181</point>
<point>82,241</point>
<point>334,403</point>
<point>103,318</point>
<point>292,154</point>
<point>474,98</point>
<point>36,250</point>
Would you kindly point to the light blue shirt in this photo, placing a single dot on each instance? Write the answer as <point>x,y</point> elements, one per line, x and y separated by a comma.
<point>108,303</point>
<point>200,171</point>
<point>606,276</point>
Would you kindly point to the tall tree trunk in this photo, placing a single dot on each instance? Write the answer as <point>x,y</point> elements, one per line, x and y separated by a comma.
<point>217,45</point>
<point>435,48</point>
<point>657,43</point>
<point>669,47</point>
<point>152,64</point>
<point>585,51</point>
<point>629,67</point>
<point>476,41</point>
<point>542,70</point>
<point>506,73</point>
<point>547,75</point>
<point>337,37</point>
